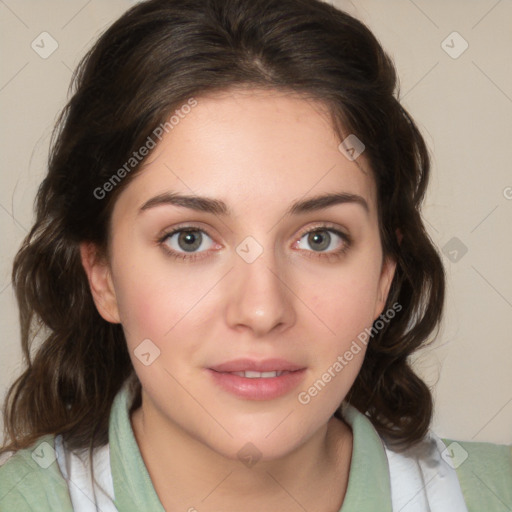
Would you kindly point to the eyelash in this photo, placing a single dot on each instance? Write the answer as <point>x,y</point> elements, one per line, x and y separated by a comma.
<point>333,255</point>
<point>190,257</point>
<point>182,256</point>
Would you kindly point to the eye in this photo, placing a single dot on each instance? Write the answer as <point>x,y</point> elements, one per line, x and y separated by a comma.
<point>323,240</point>
<point>188,241</point>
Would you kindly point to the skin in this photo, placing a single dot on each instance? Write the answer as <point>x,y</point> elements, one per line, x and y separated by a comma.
<point>258,152</point>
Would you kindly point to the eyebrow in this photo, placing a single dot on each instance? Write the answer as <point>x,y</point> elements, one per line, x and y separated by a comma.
<point>217,207</point>
<point>200,204</point>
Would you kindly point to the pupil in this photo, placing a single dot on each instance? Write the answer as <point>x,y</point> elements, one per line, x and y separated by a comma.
<point>190,240</point>
<point>319,240</point>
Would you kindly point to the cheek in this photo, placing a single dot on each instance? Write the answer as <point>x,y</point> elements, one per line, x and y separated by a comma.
<point>346,302</point>
<point>141,308</point>
<point>157,321</point>
<point>163,302</point>
<point>345,306</point>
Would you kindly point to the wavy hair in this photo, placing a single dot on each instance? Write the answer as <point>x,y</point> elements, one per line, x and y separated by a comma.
<point>149,62</point>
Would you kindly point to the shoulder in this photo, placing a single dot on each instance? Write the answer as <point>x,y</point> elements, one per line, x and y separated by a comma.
<point>31,480</point>
<point>485,473</point>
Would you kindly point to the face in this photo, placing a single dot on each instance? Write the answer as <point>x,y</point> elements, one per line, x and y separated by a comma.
<point>247,245</point>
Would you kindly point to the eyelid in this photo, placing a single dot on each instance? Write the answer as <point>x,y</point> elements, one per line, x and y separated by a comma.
<point>326,226</point>
<point>185,226</point>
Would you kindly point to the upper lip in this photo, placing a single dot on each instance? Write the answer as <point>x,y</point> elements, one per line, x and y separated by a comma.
<point>266,365</point>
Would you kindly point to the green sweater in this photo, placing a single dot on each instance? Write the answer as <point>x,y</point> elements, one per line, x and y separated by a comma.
<point>26,485</point>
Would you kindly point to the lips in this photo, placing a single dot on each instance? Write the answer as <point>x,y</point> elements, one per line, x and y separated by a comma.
<point>251,365</point>
<point>257,380</point>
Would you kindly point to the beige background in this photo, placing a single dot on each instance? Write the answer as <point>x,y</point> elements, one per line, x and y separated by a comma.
<point>463,105</point>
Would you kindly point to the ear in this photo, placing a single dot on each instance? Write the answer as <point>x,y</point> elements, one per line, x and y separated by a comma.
<point>385,280</point>
<point>100,281</point>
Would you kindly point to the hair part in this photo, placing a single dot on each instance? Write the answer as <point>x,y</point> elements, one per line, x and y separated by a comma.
<point>148,63</point>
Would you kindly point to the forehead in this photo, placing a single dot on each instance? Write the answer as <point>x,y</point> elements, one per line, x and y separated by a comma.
<point>250,147</point>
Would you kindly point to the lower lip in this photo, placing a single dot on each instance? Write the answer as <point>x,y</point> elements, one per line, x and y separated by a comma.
<point>259,388</point>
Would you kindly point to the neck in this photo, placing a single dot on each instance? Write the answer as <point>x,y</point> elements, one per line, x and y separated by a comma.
<point>189,475</point>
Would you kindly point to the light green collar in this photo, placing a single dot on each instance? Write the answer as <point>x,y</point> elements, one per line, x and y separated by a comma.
<point>133,489</point>
<point>369,485</point>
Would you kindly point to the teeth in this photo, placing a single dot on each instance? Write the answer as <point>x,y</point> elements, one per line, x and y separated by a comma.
<point>259,375</point>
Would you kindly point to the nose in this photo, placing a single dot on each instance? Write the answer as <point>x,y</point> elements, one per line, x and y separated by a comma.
<point>260,299</point>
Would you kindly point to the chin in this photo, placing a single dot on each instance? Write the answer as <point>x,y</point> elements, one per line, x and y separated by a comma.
<point>266,441</point>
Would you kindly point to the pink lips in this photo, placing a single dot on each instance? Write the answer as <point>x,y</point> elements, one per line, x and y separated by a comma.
<point>268,365</point>
<point>253,387</point>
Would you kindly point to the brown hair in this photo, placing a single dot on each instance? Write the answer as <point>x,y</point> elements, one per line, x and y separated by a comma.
<point>149,62</point>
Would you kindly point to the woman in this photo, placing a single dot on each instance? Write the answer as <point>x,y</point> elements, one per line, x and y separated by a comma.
<point>231,268</point>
